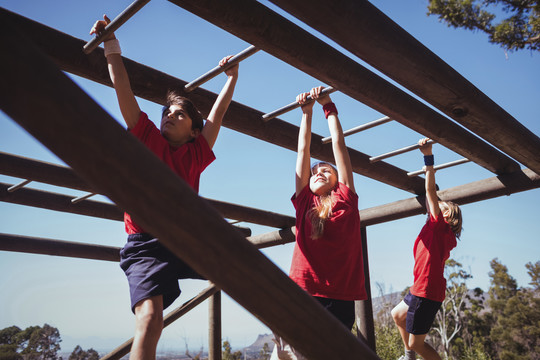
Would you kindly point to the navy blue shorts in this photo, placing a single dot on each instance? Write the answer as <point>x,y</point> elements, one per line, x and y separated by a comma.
<point>152,270</point>
<point>343,310</point>
<point>421,314</point>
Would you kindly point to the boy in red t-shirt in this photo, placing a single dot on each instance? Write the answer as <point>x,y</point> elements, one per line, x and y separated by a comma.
<point>416,313</point>
<point>327,260</point>
<point>185,145</point>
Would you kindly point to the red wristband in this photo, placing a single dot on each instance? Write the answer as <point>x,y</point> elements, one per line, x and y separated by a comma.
<point>329,108</point>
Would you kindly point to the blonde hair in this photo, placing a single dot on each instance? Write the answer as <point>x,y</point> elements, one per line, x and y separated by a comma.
<point>454,219</point>
<point>319,213</point>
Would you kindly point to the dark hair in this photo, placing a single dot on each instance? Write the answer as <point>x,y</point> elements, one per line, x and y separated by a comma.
<point>173,98</point>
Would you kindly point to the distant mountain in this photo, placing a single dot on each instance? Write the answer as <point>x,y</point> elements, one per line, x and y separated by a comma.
<point>257,346</point>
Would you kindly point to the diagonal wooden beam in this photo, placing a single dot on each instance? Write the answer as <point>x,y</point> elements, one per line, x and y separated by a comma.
<point>18,166</point>
<point>368,33</point>
<point>86,138</point>
<point>260,26</point>
<point>152,85</point>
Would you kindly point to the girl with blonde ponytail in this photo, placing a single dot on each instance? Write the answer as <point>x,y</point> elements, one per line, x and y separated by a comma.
<point>327,260</point>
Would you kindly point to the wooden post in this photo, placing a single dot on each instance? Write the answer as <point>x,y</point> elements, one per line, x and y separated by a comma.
<point>364,308</point>
<point>214,327</point>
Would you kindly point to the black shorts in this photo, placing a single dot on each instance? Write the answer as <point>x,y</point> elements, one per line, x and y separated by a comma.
<point>152,270</point>
<point>343,310</point>
<point>421,314</point>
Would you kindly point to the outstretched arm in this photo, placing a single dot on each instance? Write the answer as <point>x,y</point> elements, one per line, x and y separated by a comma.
<point>303,168</point>
<point>215,118</point>
<point>341,154</point>
<point>126,100</point>
<point>432,201</point>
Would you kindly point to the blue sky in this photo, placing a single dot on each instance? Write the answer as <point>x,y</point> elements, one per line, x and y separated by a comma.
<point>87,298</point>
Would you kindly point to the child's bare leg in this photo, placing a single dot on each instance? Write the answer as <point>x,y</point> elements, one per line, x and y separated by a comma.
<point>418,344</point>
<point>148,327</point>
<point>399,314</point>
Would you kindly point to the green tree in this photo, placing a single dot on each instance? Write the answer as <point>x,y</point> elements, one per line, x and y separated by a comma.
<point>265,352</point>
<point>516,329</point>
<point>9,343</point>
<point>227,353</point>
<point>387,338</point>
<point>41,342</point>
<point>79,354</point>
<point>32,343</point>
<point>520,30</point>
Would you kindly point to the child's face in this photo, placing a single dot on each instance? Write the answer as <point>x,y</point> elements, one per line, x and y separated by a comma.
<point>323,179</point>
<point>176,126</point>
<point>445,209</point>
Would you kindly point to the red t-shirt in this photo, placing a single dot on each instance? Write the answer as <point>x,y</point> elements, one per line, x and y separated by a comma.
<point>331,266</point>
<point>188,160</point>
<point>431,250</point>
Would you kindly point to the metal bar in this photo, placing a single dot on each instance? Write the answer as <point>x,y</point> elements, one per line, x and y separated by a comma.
<point>124,16</point>
<point>19,185</point>
<point>364,308</point>
<point>442,166</point>
<point>174,315</point>
<point>359,27</point>
<point>57,175</point>
<point>257,24</point>
<point>285,109</point>
<point>360,128</point>
<point>59,202</point>
<point>214,327</point>
<point>168,208</point>
<point>34,245</point>
<point>398,152</point>
<point>219,69</point>
<point>81,198</point>
<point>150,85</point>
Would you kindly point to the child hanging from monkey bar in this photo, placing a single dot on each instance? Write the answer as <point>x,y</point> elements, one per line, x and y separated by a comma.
<point>415,314</point>
<point>184,142</point>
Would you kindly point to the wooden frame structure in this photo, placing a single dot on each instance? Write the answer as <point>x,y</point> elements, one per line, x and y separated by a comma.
<point>47,51</point>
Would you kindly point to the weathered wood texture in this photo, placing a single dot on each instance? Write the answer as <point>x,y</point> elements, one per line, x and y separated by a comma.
<point>33,245</point>
<point>258,25</point>
<point>364,308</point>
<point>368,33</point>
<point>463,194</point>
<point>83,135</point>
<point>21,167</point>
<point>152,85</point>
<point>214,327</point>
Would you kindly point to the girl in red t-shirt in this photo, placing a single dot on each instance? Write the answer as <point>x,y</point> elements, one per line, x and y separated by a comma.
<point>416,313</point>
<point>327,260</point>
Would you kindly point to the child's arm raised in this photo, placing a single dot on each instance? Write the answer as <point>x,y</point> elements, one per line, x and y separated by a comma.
<point>215,118</point>
<point>303,168</point>
<point>126,100</point>
<point>432,201</point>
<point>341,154</point>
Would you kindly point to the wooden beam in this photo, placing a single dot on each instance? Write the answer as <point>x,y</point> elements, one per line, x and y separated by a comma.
<point>463,194</point>
<point>260,26</point>
<point>60,202</point>
<point>42,246</point>
<point>86,138</point>
<point>18,166</point>
<point>152,85</point>
<point>368,33</point>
